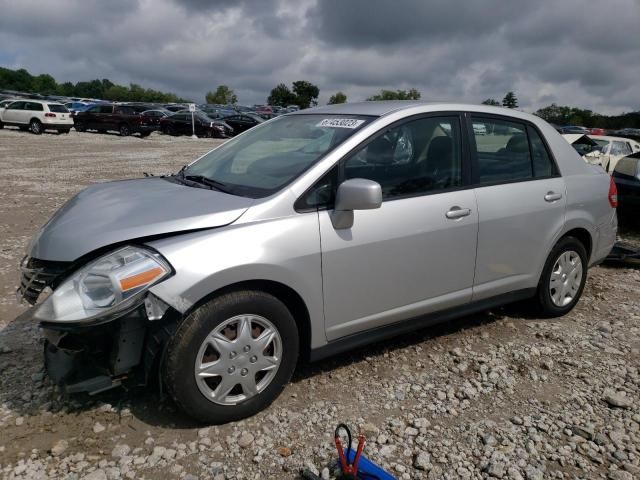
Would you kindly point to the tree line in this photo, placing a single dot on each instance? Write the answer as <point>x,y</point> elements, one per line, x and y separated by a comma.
<point>21,80</point>
<point>302,93</point>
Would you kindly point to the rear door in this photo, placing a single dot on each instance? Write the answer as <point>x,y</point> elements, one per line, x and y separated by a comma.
<point>31,110</point>
<point>521,203</point>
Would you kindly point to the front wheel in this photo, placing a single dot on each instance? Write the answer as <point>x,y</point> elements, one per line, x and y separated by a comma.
<point>563,278</point>
<point>124,130</point>
<point>231,357</point>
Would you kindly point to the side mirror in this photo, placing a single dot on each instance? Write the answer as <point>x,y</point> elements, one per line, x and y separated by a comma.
<point>355,194</point>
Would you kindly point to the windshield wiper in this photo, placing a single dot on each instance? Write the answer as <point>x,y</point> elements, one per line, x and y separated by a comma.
<point>223,187</point>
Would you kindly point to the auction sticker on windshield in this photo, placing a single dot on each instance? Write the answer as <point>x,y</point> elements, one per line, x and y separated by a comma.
<point>340,123</point>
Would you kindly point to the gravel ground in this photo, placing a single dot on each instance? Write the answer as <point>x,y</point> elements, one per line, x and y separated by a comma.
<point>495,395</point>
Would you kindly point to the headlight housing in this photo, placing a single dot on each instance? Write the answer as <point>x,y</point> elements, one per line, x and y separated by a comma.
<point>109,285</point>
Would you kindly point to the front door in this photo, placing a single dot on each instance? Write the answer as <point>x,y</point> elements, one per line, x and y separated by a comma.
<point>14,112</point>
<point>521,205</point>
<point>415,254</point>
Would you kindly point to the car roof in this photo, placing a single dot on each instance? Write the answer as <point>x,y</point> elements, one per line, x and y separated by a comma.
<point>381,108</point>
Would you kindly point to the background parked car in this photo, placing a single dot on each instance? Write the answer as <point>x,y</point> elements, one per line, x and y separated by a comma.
<point>37,116</point>
<point>180,124</point>
<point>108,116</point>
<point>613,149</point>
<point>151,118</point>
<point>588,148</point>
<point>175,107</point>
<point>244,121</point>
<point>626,174</point>
<point>574,129</point>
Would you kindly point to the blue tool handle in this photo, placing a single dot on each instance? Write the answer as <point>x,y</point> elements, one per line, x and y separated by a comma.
<point>367,470</point>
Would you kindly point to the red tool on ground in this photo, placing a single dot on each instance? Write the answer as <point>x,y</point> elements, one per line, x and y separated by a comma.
<point>349,470</point>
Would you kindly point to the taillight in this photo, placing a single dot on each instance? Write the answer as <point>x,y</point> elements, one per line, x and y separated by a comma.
<point>50,115</point>
<point>613,194</point>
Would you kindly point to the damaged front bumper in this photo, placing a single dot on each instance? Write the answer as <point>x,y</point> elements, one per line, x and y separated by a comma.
<point>95,358</point>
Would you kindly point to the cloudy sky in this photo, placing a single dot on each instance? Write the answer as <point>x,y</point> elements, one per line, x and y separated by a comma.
<point>579,52</point>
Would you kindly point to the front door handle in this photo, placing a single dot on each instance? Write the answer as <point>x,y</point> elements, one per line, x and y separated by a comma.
<point>552,196</point>
<point>457,212</point>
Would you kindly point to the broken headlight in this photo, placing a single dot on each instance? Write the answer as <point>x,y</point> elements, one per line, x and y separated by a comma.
<point>109,285</point>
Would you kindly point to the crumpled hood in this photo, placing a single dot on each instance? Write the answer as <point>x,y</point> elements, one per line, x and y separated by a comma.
<point>108,213</point>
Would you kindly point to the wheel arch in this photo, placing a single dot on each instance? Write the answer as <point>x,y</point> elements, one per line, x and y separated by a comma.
<point>583,235</point>
<point>287,295</point>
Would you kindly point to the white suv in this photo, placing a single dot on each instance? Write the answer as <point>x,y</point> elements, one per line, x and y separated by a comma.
<point>37,116</point>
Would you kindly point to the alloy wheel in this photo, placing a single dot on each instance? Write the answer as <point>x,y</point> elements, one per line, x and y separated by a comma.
<point>36,127</point>
<point>238,359</point>
<point>566,278</point>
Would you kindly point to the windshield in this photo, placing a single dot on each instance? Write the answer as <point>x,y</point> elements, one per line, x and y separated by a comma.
<point>269,156</point>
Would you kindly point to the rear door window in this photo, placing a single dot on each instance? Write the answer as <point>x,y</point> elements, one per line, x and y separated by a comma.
<point>106,109</point>
<point>502,151</point>
<point>33,107</point>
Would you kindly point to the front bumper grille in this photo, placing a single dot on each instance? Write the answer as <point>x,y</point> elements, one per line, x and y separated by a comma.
<point>39,274</point>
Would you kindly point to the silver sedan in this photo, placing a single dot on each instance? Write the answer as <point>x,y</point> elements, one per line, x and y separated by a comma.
<point>313,233</point>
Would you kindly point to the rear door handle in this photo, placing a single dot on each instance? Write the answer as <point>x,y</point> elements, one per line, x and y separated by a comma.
<point>552,196</point>
<point>457,212</point>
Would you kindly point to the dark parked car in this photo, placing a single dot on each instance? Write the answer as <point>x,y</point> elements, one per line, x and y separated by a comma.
<point>244,121</point>
<point>108,116</point>
<point>626,174</point>
<point>574,129</point>
<point>180,124</point>
<point>175,107</point>
<point>151,118</point>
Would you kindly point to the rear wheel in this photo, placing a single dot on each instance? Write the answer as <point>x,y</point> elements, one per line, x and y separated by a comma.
<point>124,130</point>
<point>231,357</point>
<point>1,125</point>
<point>144,134</point>
<point>563,278</point>
<point>35,127</point>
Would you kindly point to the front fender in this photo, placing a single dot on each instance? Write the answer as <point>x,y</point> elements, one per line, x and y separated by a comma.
<point>283,250</point>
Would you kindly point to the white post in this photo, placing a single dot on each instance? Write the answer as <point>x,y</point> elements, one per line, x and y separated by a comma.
<point>192,109</point>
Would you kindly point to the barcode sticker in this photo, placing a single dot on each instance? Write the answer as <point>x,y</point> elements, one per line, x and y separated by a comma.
<point>340,123</point>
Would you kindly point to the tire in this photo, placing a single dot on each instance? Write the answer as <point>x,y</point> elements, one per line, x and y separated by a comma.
<point>66,130</point>
<point>187,350</point>
<point>80,128</point>
<point>124,130</point>
<point>1,125</point>
<point>35,127</point>
<point>568,254</point>
<point>144,134</point>
<point>171,131</point>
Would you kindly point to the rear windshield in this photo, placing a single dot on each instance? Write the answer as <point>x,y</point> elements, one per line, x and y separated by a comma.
<point>57,108</point>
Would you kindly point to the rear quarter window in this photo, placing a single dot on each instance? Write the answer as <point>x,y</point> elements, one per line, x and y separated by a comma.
<point>57,108</point>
